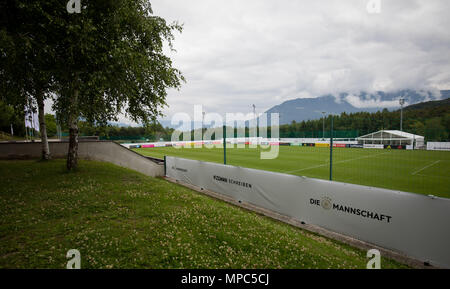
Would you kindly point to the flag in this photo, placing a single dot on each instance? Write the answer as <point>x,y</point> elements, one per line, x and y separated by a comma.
<point>36,122</point>
<point>31,119</point>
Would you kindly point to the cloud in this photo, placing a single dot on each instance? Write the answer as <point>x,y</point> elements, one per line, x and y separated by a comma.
<point>356,101</point>
<point>237,53</point>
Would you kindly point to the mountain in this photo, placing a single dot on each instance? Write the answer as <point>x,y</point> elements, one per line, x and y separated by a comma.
<point>434,104</point>
<point>430,119</point>
<point>311,108</point>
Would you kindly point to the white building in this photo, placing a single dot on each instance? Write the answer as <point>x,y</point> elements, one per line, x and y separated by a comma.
<point>392,137</point>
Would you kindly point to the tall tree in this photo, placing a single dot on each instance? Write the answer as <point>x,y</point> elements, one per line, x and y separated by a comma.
<point>111,60</point>
<point>103,61</point>
<point>25,61</point>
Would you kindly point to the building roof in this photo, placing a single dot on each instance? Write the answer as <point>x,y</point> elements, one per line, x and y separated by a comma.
<point>390,134</point>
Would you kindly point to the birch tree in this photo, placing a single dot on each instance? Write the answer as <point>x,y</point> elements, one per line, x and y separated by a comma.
<point>111,60</point>
<point>26,61</point>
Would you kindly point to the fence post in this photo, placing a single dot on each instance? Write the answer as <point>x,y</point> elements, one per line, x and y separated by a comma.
<point>224,144</point>
<point>331,149</point>
<point>165,166</point>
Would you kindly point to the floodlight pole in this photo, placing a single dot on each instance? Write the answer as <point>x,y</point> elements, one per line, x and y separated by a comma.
<point>254,111</point>
<point>402,102</point>
<point>256,119</point>
<point>203,121</point>
<point>323,124</point>
<point>331,149</point>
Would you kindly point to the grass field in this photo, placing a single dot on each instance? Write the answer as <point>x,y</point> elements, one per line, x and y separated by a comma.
<point>423,172</point>
<point>118,218</point>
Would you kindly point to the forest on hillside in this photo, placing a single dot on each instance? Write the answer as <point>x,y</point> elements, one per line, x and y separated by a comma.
<point>429,119</point>
<point>9,117</point>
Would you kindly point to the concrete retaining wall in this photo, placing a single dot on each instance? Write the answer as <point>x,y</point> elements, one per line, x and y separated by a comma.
<point>93,150</point>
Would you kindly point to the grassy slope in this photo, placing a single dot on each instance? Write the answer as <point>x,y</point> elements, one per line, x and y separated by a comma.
<point>391,169</point>
<point>7,137</point>
<point>118,218</point>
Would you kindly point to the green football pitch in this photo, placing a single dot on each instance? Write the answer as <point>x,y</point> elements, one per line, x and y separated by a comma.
<point>423,172</point>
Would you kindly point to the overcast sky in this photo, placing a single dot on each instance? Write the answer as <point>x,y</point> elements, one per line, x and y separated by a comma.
<point>236,53</point>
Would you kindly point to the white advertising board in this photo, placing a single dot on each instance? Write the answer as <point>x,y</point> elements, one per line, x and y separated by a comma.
<point>414,224</point>
<point>438,146</point>
<point>373,146</point>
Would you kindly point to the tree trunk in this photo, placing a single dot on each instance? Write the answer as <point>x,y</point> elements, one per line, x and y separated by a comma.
<point>42,127</point>
<point>72,156</point>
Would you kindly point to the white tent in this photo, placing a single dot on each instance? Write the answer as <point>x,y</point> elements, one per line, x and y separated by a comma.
<point>392,137</point>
